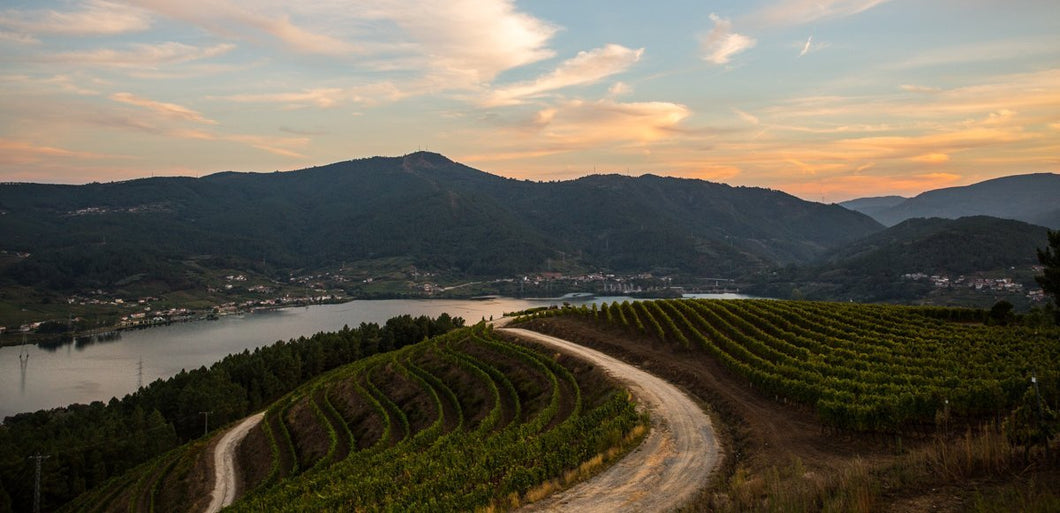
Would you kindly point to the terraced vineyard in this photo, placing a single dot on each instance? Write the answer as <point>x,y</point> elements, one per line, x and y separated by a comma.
<point>861,367</point>
<point>457,423</point>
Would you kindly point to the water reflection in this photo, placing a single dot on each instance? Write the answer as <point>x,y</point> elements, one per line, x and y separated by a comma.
<point>53,344</point>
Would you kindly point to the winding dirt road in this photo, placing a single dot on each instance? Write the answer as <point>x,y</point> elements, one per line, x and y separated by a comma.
<point>669,467</point>
<point>224,488</point>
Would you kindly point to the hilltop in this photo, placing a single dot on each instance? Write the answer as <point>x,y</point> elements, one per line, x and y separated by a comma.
<point>365,218</point>
<point>1031,198</point>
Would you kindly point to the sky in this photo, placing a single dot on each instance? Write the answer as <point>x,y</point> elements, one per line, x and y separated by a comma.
<point>825,99</point>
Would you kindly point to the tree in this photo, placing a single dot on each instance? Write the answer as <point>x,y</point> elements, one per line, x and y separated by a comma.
<point>1050,260</point>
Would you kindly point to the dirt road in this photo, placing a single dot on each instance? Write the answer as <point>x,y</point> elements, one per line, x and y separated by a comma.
<point>224,489</point>
<point>666,471</point>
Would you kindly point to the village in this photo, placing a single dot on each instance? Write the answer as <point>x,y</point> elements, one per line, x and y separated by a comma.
<point>989,285</point>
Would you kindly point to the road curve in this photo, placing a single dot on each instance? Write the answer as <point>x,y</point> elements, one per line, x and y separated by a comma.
<point>224,488</point>
<point>669,467</point>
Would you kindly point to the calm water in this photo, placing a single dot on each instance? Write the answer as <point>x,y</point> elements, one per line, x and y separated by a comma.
<point>100,371</point>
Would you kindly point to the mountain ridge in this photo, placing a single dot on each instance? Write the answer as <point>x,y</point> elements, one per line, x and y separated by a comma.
<point>438,214</point>
<point>1037,203</point>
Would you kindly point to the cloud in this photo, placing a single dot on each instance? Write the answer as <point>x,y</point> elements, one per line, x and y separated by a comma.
<point>806,47</point>
<point>585,68</point>
<point>1010,49</point>
<point>931,158</point>
<point>850,186</point>
<point>810,46</point>
<point>460,44</point>
<point>95,17</point>
<point>721,44</point>
<point>619,89</point>
<point>324,97</point>
<point>168,110</point>
<point>21,153</point>
<point>231,20</point>
<point>800,12</point>
<point>912,88</point>
<point>470,41</point>
<point>19,38</point>
<point>581,125</point>
<point>747,116</point>
<point>141,55</point>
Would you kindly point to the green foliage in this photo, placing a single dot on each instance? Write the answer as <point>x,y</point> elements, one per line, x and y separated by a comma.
<point>452,218</point>
<point>500,420</point>
<point>1001,313</point>
<point>89,444</point>
<point>871,367</point>
<point>872,269</point>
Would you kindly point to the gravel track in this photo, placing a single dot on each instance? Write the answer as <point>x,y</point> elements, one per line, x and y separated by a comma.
<point>672,464</point>
<point>224,489</point>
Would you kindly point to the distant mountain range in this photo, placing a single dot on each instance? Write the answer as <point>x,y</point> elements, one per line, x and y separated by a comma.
<point>423,209</point>
<point>872,269</point>
<point>1033,198</point>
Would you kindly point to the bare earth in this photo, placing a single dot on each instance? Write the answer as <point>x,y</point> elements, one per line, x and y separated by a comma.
<point>225,489</point>
<point>670,467</point>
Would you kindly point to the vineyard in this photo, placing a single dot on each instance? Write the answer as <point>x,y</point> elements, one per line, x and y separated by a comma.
<point>460,422</point>
<point>859,367</point>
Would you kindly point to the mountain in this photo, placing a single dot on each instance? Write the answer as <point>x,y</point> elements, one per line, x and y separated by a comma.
<point>872,269</point>
<point>874,205</point>
<point>943,246</point>
<point>1032,198</point>
<point>422,208</point>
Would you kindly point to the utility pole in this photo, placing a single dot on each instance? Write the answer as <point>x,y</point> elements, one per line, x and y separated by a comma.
<point>206,422</point>
<point>36,486</point>
<point>1041,415</point>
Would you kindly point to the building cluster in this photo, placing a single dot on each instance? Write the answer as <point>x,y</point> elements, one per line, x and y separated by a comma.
<point>989,285</point>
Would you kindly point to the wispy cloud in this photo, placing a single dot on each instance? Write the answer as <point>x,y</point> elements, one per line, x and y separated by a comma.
<point>18,37</point>
<point>232,20</point>
<point>619,89</point>
<point>94,17</point>
<point>806,47</point>
<point>463,44</point>
<point>324,97</point>
<point>140,55</point>
<point>721,43</point>
<point>913,88</point>
<point>980,51</point>
<point>800,12</point>
<point>585,68</point>
<point>169,110</point>
<point>18,152</point>
<point>576,125</point>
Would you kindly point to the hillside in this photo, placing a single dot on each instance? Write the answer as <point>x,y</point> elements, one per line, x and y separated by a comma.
<point>1031,198</point>
<point>873,269</point>
<point>902,409</point>
<point>461,422</point>
<point>421,209</point>
<point>874,205</point>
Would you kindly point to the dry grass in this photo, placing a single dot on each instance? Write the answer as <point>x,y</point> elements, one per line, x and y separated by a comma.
<point>987,472</point>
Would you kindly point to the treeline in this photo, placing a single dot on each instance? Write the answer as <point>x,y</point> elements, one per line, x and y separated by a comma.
<point>87,444</point>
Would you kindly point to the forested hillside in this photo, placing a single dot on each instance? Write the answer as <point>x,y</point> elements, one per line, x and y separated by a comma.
<point>422,208</point>
<point>89,444</point>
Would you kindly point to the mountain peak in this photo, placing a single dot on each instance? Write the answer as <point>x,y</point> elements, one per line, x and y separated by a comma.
<point>425,159</point>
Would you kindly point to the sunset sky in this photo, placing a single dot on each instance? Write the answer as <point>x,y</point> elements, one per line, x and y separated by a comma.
<point>825,99</point>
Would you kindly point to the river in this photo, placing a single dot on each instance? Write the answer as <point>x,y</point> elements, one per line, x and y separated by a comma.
<point>32,378</point>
